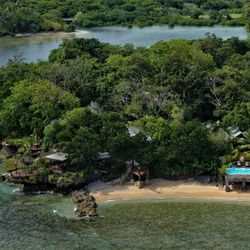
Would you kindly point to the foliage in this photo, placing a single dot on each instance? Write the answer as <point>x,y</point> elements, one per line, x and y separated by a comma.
<point>76,134</point>
<point>42,165</point>
<point>168,93</point>
<point>239,116</point>
<point>12,164</point>
<point>32,106</point>
<point>47,15</point>
<point>223,169</point>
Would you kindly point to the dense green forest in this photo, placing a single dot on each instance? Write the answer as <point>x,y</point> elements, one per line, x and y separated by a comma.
<point>18,16</point>
<point>182,100</point>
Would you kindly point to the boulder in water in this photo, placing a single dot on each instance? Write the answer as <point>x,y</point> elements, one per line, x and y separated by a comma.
<point>85,203</point>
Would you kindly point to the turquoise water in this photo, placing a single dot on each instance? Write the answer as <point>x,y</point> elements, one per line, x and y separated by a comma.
<point>48,222</point>
<point>36,48</point>
<point>238,171</point>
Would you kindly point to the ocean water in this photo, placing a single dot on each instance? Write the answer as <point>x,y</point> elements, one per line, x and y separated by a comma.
<point>47,222</point>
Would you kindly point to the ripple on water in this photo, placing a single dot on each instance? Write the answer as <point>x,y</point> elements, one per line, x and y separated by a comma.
<point>41,46</point>
<point>64,208</point>
<point>47,222</point>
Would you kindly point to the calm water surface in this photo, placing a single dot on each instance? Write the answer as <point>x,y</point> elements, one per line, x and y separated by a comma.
<point>36,48</point>
<point>47,222</point>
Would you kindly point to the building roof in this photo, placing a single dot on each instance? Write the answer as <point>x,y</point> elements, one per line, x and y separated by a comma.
<point>44,154</point>
<point>58,156</point>
<point>104,156</point>
<point>236,132</point>
<point>28,160</point>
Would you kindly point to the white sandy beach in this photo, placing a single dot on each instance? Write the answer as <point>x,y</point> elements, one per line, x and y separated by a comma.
<point>160,189</point>
<point>58,34</point>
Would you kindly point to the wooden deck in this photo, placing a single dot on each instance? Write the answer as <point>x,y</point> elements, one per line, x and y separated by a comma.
<point>236,178</point>
<point>56,169</point>
<point>20,173</point>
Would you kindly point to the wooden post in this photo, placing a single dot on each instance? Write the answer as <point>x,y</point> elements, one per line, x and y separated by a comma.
<point>243,186</point>
<point>147,177</point>
<point>139,179</point>
<point>227,185</point>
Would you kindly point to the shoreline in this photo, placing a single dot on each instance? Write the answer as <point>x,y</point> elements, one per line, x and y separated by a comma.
<point>83,31</point>
<point>46,34</point>
<point>160,189</point>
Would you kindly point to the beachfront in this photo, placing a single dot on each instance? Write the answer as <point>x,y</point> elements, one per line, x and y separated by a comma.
<point>161,189</point>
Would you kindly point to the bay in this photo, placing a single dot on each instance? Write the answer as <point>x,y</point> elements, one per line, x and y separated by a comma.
<point>38,47</point>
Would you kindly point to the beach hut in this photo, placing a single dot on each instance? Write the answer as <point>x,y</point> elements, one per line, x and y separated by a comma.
<point>59,160</point>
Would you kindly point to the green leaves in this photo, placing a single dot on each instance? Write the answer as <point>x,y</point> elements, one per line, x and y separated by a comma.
<point>32,106</point>
<point>164,92</point>
<point>83,146</point>
<point>239,116</point>
<point>47,15</point>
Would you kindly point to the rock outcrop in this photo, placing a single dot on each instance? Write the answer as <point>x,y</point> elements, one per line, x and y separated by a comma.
<point>3,177</point>
<point>85,203</point>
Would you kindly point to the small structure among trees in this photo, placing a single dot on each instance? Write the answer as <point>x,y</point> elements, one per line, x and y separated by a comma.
<point>59,160</point>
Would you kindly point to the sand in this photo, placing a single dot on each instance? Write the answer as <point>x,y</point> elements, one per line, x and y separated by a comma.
<point>58,34</point>
<point>161,189</point>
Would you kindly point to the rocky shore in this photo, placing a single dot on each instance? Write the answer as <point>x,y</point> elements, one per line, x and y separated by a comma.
<point>85,203</point>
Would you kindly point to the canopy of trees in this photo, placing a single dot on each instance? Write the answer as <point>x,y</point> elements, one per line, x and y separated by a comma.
<point>180,97</point>
<point>48,15</point>
<point>32,106</point>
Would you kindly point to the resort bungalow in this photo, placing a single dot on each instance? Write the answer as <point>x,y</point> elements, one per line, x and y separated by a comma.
<point>59,161</point>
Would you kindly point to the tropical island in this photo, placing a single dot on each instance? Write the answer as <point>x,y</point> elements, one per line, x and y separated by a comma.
<point>96,111</point>
<point>33,16</point>
<point>154,140</point>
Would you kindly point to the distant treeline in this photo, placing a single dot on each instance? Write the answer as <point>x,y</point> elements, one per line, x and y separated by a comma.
<point>47,15</point>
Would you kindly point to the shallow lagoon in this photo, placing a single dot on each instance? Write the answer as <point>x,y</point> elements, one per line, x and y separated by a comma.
<point>35,47</point>
<point>47,222</point>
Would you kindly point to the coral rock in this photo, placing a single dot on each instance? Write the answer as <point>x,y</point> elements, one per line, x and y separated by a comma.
<point>85,203</point>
